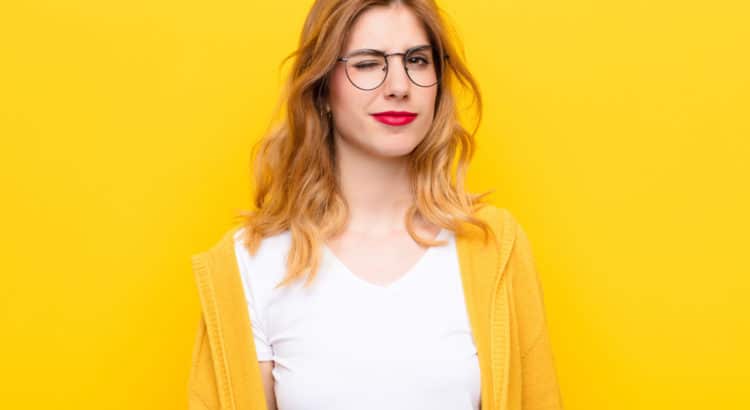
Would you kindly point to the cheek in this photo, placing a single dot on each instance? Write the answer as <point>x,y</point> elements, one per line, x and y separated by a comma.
<point>429,101</point>
<point>341,94</point>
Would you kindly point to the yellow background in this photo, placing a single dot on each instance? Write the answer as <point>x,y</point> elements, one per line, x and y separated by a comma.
<point>615,131</point>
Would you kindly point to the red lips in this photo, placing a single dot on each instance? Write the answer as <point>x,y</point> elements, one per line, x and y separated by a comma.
<point>395,117</point>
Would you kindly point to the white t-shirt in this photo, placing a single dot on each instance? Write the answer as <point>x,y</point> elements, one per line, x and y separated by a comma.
<point>345,343</point>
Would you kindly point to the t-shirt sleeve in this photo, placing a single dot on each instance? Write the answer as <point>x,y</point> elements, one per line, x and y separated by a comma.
<point>260,336</point>
<point>255,303</point>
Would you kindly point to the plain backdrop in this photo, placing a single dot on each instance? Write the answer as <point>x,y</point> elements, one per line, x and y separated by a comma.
<point>616,132</point>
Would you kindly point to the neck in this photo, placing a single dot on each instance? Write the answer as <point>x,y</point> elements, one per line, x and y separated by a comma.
<point>375,188</point>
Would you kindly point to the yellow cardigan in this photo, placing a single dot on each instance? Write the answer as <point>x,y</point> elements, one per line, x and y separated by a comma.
<point>504,302</point>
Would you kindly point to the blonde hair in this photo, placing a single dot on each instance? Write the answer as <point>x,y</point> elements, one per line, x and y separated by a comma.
<point>295,167</point>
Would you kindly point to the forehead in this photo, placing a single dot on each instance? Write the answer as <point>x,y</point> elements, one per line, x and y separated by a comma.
<point>389,28</point>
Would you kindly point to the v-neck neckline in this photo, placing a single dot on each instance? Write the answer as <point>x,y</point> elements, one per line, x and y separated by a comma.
<point>340,266</point>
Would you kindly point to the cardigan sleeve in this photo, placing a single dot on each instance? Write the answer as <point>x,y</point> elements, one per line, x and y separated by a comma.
<point>202,388</point>
<point>540,389</point>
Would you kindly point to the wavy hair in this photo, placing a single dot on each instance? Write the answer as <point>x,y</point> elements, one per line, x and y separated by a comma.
<point>295,162</point>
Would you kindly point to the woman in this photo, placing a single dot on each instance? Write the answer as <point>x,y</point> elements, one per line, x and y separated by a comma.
<point>367,278</point>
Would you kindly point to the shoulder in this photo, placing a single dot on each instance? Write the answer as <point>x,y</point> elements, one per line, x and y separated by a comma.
<point>268,244</point>
<point>229,251</point>
<point>504,225</point>
<point>234,238</point>
<point>263,269</point>
<point>510,241</point>
<point>271,249</point>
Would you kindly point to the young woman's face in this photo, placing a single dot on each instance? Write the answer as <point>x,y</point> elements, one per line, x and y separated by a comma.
<point>392,29</point>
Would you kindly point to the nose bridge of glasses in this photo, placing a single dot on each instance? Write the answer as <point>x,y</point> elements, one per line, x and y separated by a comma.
<point>403,63</point>
<point>394,54</point>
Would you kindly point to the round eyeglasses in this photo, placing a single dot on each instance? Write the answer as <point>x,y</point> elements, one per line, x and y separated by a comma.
<point>367,69</point>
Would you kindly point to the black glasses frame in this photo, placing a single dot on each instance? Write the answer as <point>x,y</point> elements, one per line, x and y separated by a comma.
<point>404,62</point>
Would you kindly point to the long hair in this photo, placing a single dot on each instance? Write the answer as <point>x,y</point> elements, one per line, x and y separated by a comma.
<point>295,162</point>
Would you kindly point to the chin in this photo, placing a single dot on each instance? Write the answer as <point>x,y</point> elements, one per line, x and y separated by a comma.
<point>396,148</point>
<point>386,145</point>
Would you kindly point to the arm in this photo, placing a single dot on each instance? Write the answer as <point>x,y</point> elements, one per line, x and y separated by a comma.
<point>266,375</point>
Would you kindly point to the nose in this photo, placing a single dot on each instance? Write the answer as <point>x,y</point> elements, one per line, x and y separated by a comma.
<point>396,82</point>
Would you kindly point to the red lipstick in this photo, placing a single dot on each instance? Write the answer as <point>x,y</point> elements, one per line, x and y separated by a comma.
<point>395,117</point>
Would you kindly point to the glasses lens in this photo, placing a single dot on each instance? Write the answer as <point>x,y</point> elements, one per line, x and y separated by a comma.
<point>366,71</point>
<point>421,67</point>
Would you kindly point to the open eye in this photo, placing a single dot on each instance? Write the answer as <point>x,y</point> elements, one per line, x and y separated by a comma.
<point>418,60</point>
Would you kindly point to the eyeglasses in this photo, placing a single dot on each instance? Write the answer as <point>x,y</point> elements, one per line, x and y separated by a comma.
<point>367,69</point>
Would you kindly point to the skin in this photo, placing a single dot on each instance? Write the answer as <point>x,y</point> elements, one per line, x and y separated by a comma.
<point>373,166</point>
<point>373,170</point>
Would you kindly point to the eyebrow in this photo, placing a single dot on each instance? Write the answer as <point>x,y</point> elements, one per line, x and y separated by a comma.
<point>376,51</point>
